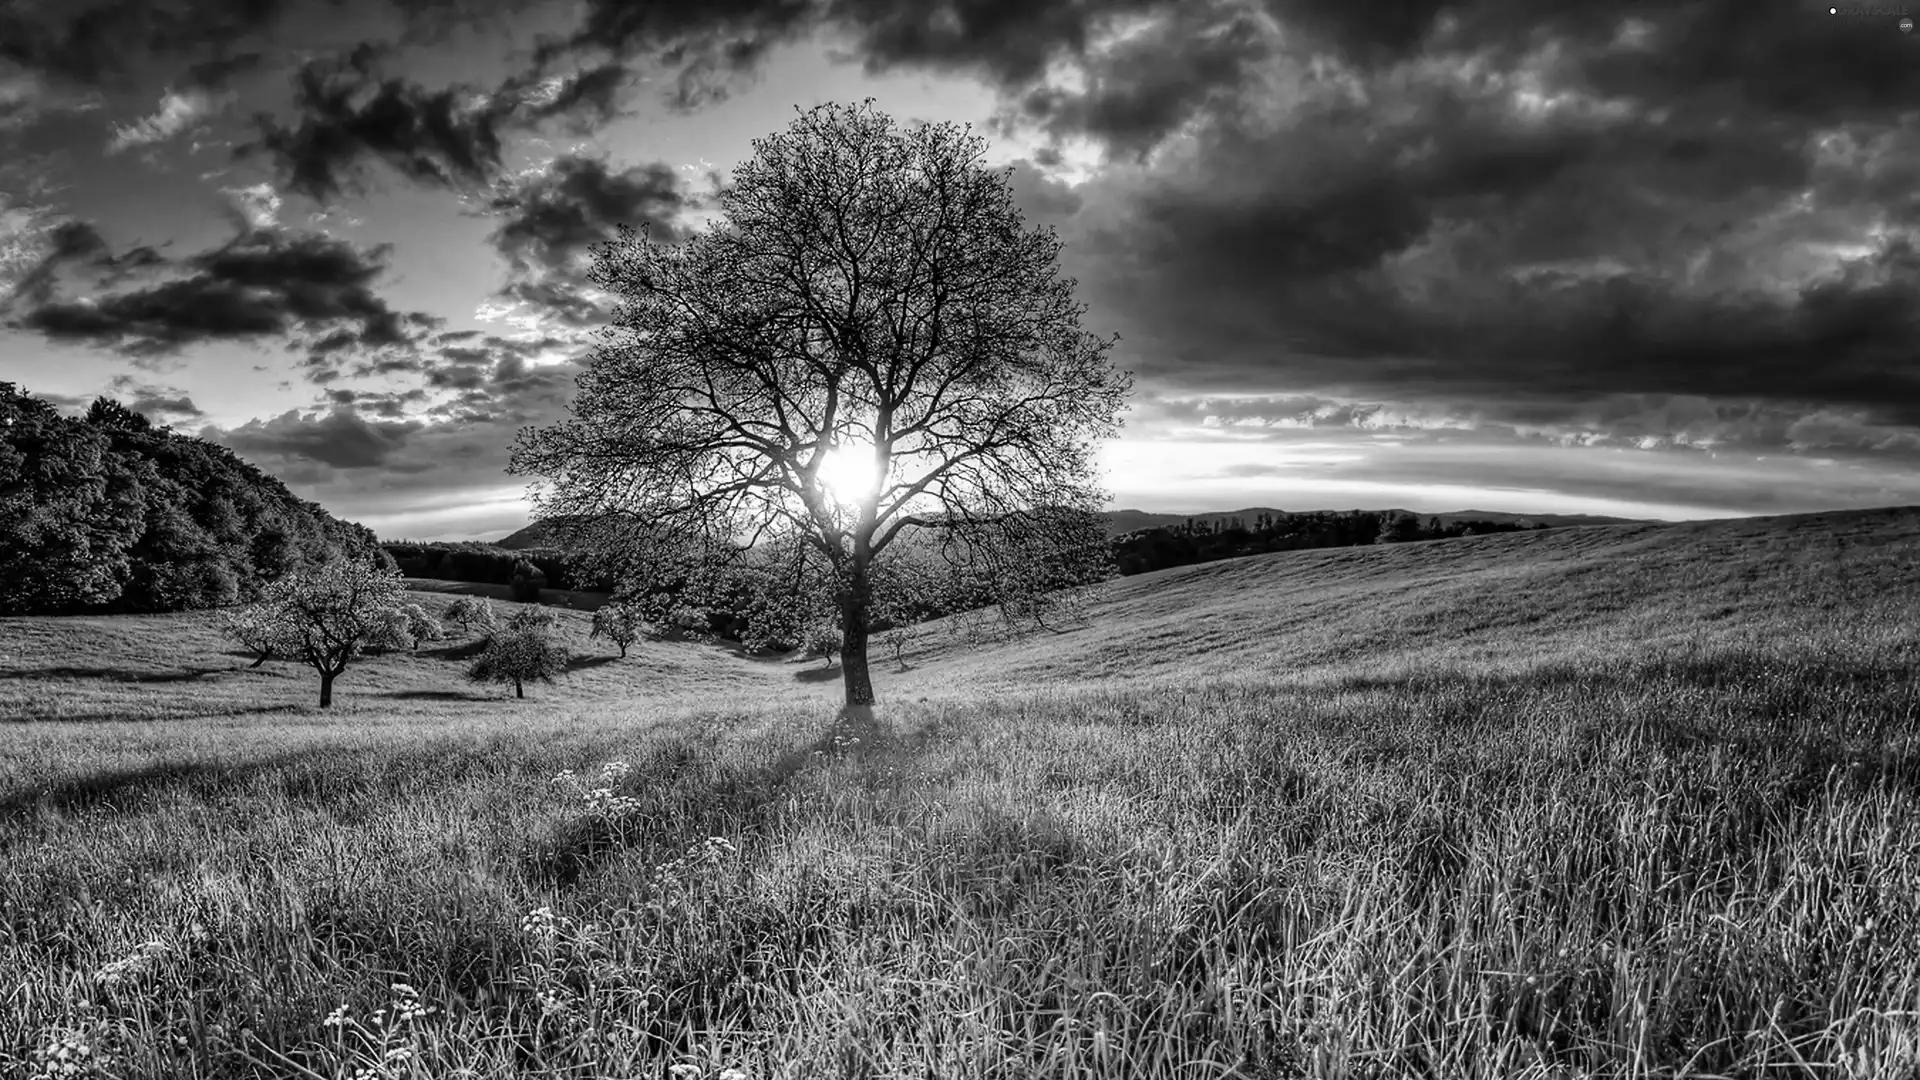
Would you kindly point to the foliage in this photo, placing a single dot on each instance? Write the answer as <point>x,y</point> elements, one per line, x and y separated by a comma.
<point>619,622</point>
<point>535,617</point>
<point>256,629</point>
<point>518,655</point>
<point>110,514</point>
<point>869,291</point>
<point>823,640</point>
<point>324,616</point>
<point>471,614</point>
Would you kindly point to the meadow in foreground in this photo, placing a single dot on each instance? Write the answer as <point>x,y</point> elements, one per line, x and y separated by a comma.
<point>1481,837</point>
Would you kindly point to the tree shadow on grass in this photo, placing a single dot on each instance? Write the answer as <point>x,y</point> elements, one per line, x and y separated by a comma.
<point>126,789</point>
<point>680,777</point>
<point>817,674</point>
<point>117,674</point>
<point>578,662</point>
<point>459,650</point>
<point>436,695</point>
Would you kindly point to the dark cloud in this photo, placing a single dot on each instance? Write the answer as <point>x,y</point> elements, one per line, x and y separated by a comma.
<point>340,438</point>
<point>264,283</point>
<point>349,113</point>
<point>94,42</point>
<point>551,218</point>
<point>1196,58</point>
<point>1481,213</point>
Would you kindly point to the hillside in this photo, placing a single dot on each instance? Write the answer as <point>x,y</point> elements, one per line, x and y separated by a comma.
<point>1530,598</point>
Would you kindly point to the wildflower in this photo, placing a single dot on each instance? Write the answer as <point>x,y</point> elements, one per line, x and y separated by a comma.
<point>336,1018</point>
<point>67,1055</point>
<point>684,1072</point>
<point>731,1074</point>
<point>538,921</point>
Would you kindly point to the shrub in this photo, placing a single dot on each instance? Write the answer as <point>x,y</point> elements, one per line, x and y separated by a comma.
<point>535,617</point>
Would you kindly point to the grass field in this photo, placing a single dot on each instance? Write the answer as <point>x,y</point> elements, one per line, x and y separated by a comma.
<point>1634,800</point>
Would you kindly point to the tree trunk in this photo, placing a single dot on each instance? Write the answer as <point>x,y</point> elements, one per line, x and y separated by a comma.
<point>855,624</point>
<point>326,688</point>
<point>517,692</point>
<point>623,652</point>
<point>258,662</point>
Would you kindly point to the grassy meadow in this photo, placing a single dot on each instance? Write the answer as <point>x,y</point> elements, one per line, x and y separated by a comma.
<point>1634,801</point>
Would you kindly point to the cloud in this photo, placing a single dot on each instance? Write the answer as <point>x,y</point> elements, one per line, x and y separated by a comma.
<point>549,218</point>
<point>340,438</point>
<point>177,112</point>
<point>160,404</point>
<point>349,114</point>
<point>265,283</point>
<point>95,42</point>
<point>254,207</point>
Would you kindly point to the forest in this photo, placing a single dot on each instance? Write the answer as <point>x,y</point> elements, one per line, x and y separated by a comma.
<point>107,514</point>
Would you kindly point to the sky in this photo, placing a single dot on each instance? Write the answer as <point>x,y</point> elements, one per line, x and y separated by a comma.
<point>1653,260</point>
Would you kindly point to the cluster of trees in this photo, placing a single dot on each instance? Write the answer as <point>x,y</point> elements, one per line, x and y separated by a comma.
<point>526,571</point>
<point>108,514</point>
<point>1203,541</point>
<point>329,614</point>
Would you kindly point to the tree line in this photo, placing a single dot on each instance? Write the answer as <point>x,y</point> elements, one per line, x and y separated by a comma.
<point>1199,541</point>
<point>108,514</point>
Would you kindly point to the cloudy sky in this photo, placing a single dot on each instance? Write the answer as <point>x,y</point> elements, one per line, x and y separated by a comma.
<point>1655,260</point>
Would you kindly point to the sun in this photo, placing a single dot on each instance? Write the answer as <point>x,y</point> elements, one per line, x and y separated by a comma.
<point>847,471</point>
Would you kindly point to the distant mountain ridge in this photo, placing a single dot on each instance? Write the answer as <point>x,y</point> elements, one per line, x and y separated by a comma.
<point>1121,522</point>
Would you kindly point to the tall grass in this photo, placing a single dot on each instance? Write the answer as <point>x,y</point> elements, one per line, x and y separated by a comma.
<point>1439,877</point>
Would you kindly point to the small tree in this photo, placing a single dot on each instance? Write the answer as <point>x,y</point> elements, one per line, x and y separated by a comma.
<point>618,622</point>
<point>1399,529</point>
<point>471,614</point>
<point>254,628</point>
<point>326,614</point>
<point>421,626</point>
<point>519,655</point>
<point>823,640</point>
<point>898,639</point>
<point>391,634</point>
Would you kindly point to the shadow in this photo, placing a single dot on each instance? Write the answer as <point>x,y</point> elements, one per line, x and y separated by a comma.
<point>681,776</point>
<point>817,674</point>
<point>118,674</point>
<point>125,789</point>
<point>435,695</point>
<point>459,650</point>
<point>579,662</point>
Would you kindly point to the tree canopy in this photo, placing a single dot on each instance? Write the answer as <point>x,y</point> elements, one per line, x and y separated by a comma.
<point>109,514</point>
<point>869,339</point>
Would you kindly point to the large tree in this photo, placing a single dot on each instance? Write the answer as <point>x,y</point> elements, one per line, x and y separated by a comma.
<point>868,338</point>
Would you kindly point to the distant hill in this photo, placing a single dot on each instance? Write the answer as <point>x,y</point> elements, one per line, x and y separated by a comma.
<point>1122,522</point>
